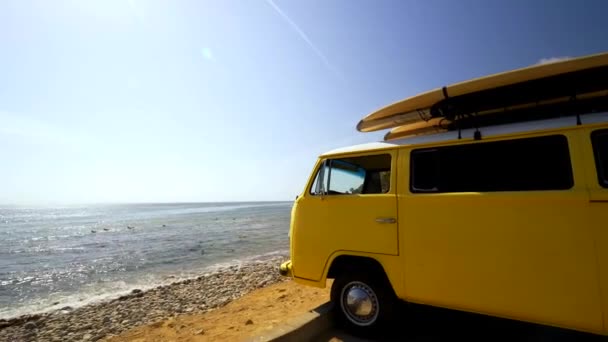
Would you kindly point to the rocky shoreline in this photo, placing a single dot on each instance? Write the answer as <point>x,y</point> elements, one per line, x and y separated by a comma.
<point>104,319</point>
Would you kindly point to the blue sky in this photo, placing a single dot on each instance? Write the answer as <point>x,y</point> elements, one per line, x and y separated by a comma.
<point>162,101</point>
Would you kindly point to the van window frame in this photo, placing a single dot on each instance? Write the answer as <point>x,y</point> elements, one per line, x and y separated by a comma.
<point>327,162</point>
<point>599,163</point>
<point>415,191</point>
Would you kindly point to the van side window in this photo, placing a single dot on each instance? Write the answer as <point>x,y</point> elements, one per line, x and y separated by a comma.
<point>599,140</point>
<point>528,164</point>
<point>355,175</point>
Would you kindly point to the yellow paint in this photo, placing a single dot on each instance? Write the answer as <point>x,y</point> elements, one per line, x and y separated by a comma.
<point>538,256</point>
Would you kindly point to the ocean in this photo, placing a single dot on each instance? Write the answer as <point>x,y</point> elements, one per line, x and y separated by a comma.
<point>71,256</point>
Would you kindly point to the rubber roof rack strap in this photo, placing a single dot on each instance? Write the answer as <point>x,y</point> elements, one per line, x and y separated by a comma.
<point>477,133</point>
<point>578,112</point>
<point>457,116</point>
<point>423,116</point>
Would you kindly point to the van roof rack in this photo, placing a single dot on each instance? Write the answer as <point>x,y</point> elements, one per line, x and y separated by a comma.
<point>572,87</point>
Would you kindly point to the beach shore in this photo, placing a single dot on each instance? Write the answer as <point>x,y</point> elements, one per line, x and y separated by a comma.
<point>110,318</point>
<point>255,314</point>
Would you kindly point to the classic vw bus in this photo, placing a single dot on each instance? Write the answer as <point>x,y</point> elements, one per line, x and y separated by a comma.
<point>488,196</point>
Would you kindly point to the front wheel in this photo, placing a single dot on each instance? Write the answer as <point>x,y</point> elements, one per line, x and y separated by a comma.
<point>363,302</point>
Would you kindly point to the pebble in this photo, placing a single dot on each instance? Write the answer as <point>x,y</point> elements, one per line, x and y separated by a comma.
<point>30,325</point>
<point>98,321</point>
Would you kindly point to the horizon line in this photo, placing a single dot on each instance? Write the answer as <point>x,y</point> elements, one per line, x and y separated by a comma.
<point>39,204</point>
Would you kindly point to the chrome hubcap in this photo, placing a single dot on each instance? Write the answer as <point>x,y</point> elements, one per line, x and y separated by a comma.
<point>359,303</point>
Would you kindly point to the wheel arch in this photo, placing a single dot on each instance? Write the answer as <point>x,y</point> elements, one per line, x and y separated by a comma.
<point>388,265</point>
<point>347,262</point>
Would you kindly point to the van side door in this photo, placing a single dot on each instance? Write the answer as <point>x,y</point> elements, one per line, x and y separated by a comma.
<point>500,226</point>
<point>595,153</point>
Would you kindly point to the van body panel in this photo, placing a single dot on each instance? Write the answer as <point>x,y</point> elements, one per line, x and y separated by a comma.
<point>537,265</point>
<point>524,254</point>
<point>598,213</point>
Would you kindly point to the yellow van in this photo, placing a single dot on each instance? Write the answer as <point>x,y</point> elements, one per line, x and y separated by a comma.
<point>488,196</point>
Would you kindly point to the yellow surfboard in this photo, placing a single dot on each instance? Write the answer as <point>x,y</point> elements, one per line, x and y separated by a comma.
<point>434,125</point>
<point>523,93</point>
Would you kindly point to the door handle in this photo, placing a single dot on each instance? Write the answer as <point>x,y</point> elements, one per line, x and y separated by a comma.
<point>385,220</point>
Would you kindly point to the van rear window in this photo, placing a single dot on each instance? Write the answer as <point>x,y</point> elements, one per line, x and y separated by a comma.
<point>599,140</point>
<point>540,163</point>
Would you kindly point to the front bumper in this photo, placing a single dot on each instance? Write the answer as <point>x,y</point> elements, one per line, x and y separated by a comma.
<point>285,269</point>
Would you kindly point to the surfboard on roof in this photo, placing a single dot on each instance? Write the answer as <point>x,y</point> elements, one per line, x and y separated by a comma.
<point>565,88</point>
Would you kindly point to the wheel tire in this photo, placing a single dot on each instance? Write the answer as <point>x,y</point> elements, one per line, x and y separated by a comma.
<point>363,302</point>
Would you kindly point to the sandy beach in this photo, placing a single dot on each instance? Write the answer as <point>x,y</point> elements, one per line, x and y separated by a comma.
<point>167,310</point>
<point>252,315</point>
